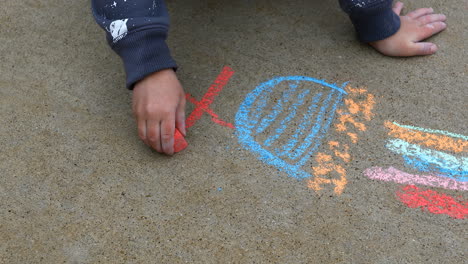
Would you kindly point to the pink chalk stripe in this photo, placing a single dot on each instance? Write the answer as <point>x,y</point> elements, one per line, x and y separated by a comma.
<point>395,175</point>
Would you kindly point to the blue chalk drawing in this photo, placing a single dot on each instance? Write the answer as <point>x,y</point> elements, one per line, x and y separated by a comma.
<point>318,131</point>
<point>286,122</point>
<point>304,124</point>
<point>430,160</point>
<point>254,118</point>
<point>277,109</point>
<point>426,166</point>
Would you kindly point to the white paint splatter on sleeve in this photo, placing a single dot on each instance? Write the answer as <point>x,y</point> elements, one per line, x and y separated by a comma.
<point>118,29</point>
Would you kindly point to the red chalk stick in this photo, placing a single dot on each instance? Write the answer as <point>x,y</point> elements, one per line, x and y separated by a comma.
<point>179,141</point>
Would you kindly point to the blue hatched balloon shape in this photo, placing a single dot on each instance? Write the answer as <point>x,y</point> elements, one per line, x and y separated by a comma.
<point>285,120</point>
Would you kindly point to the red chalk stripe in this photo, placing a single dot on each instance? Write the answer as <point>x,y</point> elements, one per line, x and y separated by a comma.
<point>433,202</point>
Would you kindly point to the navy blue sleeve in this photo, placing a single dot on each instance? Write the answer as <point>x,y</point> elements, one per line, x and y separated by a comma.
<point>137,32</point>
<point>373,19</point>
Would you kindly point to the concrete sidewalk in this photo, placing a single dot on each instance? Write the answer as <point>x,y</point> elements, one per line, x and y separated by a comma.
<point>78,186</point>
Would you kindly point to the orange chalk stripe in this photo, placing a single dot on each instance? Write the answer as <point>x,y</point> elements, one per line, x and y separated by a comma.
<point>439,142</point>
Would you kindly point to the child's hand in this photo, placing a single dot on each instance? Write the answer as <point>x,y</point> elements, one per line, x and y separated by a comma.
<point>159,105</point>
<point>415,26</point>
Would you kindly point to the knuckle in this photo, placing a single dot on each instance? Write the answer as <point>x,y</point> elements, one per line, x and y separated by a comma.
<point>138,111</point>
<point>166,137</point>
<point>430,26</point>
<point>152,137</point>
<point>426,48</point>
<point>151,109</point>
<point>141,135</point>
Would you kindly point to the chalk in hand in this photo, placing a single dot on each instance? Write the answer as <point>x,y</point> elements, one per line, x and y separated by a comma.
<point>179,141</point>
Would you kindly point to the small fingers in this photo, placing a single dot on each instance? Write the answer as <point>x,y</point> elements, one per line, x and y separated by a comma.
<point>141,123</point>
<point>167,136</point>
<point>180,118</point>
<point>153,133</point>
<point>430,30</point>
<point>422,48</point>
<point>427,19</point>
<point>420,12</point>
<point>397,8</point>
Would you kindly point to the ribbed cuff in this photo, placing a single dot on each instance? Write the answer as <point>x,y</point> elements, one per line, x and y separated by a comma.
<point>377,25</point>
<point>143,53</point>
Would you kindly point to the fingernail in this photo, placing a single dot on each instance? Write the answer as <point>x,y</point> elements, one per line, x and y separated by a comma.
<point>433,48</point>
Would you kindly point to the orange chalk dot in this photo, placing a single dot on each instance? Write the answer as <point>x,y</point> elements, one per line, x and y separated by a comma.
<point>353,136</point>
<point>342,155</point>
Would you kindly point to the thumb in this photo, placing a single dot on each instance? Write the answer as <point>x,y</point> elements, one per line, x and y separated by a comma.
<point>422,48</point>
<point>397,8</point>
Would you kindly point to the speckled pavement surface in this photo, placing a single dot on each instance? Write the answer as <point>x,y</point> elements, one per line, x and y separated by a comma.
<point>78,186</point>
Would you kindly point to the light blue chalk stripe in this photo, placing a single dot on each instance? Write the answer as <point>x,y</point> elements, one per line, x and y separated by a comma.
<point>434,131</point>
<point>304,124</point>
<point>317,129</point>
<point>424,166</point>
<point>285,122</point>
<point>318,140</point>
<point>277,109</point>
<point>436,158</point>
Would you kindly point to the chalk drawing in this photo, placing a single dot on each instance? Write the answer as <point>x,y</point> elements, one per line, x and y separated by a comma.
<point>327,166</point>
<point>423,149</point>
<point>426,166</point>
<point>330,169</point>
<point>394,175</point>
<point>428,139</point>
<point>277,109</point>
<point>255,120</point>
<point>427,160</point>
<point>203,106</point>
<point>274,128</point>
<point>434,131</point>
<point>318,130</point>
<point>433,202</point>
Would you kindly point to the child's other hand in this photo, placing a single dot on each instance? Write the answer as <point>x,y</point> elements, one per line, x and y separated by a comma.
<point>415,27</point>
<point>159,107</point>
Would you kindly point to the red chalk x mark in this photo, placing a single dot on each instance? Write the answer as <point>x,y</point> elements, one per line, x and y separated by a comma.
<point>179,141</point>
<point>433,202</point>
<point>203,106</point>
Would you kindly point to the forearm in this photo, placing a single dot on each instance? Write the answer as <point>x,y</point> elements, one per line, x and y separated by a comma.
<point>373,19</point>
<point>137,32</point>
